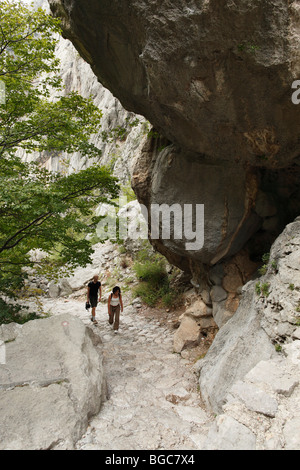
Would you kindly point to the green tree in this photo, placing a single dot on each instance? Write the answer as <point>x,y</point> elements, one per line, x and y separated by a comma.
<point>39,209</point>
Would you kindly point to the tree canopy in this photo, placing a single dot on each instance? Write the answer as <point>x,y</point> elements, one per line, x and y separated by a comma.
<point>40,209</point>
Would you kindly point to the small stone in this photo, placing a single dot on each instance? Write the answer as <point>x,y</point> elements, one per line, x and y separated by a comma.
<point>188,334</point>
<point>218,294</point>
<point>198,309</point>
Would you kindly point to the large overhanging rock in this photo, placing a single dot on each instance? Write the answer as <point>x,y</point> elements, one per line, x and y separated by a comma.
<point>215,80</point>
<point>213,76</point>
<point>243,206</point>
<point>172,185</point>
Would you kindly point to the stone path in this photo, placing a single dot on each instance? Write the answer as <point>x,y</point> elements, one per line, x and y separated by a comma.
<point>153,401</point>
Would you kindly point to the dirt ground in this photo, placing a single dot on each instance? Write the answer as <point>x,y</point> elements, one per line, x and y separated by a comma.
<point>169,318</point>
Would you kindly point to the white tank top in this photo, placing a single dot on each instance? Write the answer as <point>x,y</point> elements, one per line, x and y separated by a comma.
<point>114,301</point>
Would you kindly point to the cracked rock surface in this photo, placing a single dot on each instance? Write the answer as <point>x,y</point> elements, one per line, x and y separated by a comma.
<point>51,381</point>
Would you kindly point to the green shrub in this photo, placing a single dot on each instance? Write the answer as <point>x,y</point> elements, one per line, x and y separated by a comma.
<point>155,284</point>
<point>153,273</point>
<point>147,294</point>
<point>262,289</point>
<point>170,298</point>
<point>153,277</point>
<point>14,314</point>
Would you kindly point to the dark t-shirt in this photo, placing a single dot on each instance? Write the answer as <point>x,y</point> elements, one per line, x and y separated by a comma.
<point>94,287</point>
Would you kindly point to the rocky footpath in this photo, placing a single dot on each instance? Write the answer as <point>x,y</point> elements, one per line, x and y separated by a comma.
<point>152,394</point>
<point>244,392</point>
<point>153,399</point>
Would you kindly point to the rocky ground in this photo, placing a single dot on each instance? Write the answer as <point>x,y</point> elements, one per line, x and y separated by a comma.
<point>153,399</point>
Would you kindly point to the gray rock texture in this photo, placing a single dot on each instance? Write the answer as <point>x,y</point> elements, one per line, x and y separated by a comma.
<point>51,383</point>
<point>234,352</point>
<point>266,319</point>
<point>198,72</point>
<point>262,410</point>
<point>214,78</point>
<point>226,191</point>
<point>228,434</point>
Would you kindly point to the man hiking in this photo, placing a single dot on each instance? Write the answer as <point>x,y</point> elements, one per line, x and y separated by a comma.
<point>92,296</point>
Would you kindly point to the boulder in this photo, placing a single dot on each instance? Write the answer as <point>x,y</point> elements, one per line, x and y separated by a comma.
<point>198,309</point>
<point>53,290</point>
<point>261,411</point>
<point>65,288</point>
<point>218,294</point>
<point>268,314</point>
<point>221,314</point>
<point>195,323</point>
<point>172,179</point>
<point>52,382</point>
<point>234,351</point>
<point>187,335</point>
<point>61,289</point>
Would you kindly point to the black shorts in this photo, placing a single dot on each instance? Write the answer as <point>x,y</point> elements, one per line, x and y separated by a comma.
<point>94,301</point>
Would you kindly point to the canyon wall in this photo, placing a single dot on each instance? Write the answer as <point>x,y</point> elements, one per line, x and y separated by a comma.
<point>214,78</point>
<point>118,151</point>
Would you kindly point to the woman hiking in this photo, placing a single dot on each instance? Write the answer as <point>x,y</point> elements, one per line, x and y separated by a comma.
<point>114,305</point>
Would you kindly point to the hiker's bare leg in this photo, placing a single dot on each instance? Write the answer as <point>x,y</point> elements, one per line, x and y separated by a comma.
<point>94,313</point>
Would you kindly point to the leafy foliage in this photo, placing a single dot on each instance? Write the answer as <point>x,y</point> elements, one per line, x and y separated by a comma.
<point>151,271</point>
<point>29,70</point>
<point>12,313</point>
<point>39,209</point>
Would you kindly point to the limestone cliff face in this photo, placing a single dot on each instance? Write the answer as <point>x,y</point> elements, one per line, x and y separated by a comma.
<point>214,77</point>
<point>118,153</point>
